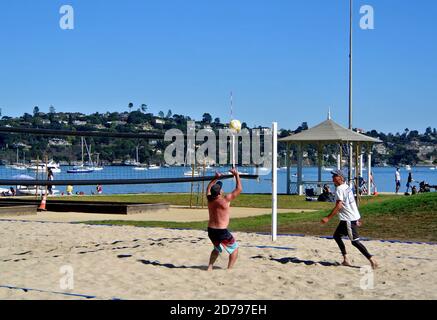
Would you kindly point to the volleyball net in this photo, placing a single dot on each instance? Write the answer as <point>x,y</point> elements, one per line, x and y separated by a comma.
<point>111,162</point>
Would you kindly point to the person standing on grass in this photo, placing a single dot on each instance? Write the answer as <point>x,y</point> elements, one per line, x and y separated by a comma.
<point>69,190</point>
<point>350,219</point>
<point>409,181</point>
<point>50,177</point>
<point>219,215</point>
<point>99,189</point>
<point>397,180</point>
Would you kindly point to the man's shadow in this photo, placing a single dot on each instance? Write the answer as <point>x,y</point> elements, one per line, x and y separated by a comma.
<point>295,260</point>
<point>172,266</point>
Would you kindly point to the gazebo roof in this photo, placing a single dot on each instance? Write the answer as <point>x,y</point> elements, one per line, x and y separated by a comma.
<point>329,131</point>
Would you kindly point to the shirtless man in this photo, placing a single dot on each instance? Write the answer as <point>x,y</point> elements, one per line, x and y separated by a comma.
<point>219,211</point>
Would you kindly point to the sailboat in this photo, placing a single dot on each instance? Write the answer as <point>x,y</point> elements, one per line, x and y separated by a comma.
<point>82,168</point>
<point>138,165</point>
<point>93,167</point>
<point>191,172</point>
<point>18,165</point>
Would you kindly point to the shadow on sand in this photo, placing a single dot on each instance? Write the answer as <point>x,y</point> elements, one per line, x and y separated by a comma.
<point>295,260</point>
<point>172,266</point>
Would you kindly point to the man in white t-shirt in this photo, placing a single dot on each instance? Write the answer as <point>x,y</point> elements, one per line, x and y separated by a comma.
<point>397,180</point>
<point>347,210</point>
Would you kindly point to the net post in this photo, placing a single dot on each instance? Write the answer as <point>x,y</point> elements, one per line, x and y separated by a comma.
<point>275,181</point>
<point>192,187</point>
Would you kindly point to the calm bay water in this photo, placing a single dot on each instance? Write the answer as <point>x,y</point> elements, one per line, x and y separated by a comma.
<point>384,179</point>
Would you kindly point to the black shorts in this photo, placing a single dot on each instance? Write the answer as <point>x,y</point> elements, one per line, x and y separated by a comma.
<point>348,228</point>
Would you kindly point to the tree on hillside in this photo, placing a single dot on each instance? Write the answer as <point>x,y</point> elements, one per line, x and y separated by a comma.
<point>206,118</point>
<point>27,117</point>
<point>130,106</point>
<point>144,107</point>
<point>180,119</point>
<point>161,114</point>
<point>136,117</point>
<point>35,111</point>
<point>217,121</point>
<point>302,127</point>
<point>402,155</point>
<point>52,109</point>
<point>413,134</point>
<point>285,133</point>
<point>169,114</point>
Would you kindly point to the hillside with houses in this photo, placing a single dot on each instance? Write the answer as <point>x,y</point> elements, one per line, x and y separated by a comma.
<point>407,148</point>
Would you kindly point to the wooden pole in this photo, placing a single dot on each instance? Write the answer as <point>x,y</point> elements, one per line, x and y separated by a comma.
<point>299,168</point>
<point>319,163</point>
<point>288,164</point>
<point>191,193</point>
<point>47,171</point>
<point>357,170</point>
<point>369,169</point>
<point>37,172</point>
<point>203,184</point>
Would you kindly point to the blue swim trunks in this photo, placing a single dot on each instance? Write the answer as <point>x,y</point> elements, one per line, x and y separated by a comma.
<point>222,240</point>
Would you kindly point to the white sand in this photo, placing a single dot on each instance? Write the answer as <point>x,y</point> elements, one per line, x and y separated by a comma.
<point>32,253</point>
<point>175,213</point>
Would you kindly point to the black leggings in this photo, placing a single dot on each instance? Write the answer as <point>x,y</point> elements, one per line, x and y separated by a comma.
<point>350,229</point>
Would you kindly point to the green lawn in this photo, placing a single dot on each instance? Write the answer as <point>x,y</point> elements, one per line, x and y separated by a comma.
<point>385,217</point>
<point>244,200</point>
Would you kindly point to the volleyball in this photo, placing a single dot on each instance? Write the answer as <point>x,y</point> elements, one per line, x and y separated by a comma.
<point>235,125</point>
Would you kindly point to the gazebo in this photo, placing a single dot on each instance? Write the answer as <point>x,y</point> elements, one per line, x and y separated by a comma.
<point>329,133</point>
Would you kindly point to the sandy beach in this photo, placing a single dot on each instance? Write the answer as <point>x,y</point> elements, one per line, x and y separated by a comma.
<point>148,263</point>
<point>174,213</point>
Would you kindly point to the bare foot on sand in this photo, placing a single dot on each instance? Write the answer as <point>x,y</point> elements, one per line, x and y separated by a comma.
<point>373,263</point>
<point>346,262</point>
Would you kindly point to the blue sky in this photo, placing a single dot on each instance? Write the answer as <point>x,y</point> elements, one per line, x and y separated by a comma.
<point>285,60</point>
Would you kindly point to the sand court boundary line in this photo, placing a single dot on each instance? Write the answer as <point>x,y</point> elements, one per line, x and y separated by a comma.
<point>259,233</point>
<point>78,295</point>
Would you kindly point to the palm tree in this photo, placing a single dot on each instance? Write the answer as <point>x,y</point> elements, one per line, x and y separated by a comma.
<point>144,108</point>
<point>130,106</point>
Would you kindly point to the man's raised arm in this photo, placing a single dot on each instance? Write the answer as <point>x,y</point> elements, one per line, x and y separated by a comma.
<point>238,189</point>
